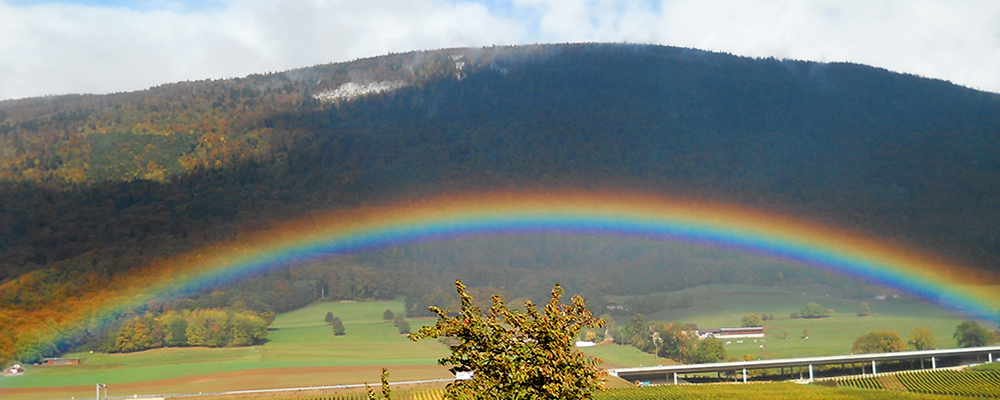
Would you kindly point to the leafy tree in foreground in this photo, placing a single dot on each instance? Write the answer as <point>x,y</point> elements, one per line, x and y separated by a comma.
<point>517,354</point>
<point>329,317</point>
<point>878,342</point>
<point>922,339</point>
<point>971,334</point>
<point>388,315</point>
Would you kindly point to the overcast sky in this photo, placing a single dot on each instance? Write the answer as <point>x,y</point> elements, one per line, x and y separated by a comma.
<point>102,46</point>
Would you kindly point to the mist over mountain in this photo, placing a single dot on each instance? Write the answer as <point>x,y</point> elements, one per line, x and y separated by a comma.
<point>102,184</point>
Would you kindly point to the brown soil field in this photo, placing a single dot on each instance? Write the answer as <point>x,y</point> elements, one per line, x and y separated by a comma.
<point>268,378</point>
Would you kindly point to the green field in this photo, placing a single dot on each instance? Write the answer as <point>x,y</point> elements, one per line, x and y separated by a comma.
<point>715,306</point>
<point>300,340</point>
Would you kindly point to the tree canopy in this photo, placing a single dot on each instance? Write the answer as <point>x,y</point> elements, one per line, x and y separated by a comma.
<point>864,310</point>
<point>516,354</point>
<point>971,334</point>
<point>752,320</point>
<point>710,350</point>
<point>338,327</point>
<point>814,310</point>
<point>878,342</point>
<point>922,339</point>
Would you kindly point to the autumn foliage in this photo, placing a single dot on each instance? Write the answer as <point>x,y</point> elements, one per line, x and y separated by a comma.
<point>517,354</point>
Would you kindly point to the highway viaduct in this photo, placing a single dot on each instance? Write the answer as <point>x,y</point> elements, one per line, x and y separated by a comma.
<point>869,364</point>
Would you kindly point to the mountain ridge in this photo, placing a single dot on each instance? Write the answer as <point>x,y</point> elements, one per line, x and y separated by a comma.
<point>897,155</point>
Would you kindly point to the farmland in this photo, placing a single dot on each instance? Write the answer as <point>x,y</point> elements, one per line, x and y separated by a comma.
<point>779,391</point>
<point>774,391</point>
<point>714,306</point>
<point>302,351</point>
<point>947,382</point>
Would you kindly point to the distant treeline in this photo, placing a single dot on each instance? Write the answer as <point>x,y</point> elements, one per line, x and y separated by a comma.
<point>213,327</point>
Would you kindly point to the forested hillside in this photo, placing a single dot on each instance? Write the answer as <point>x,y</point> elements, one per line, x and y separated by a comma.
<point>94,186</point>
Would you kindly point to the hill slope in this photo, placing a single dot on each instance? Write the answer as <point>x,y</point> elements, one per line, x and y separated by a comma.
<point>105,182</point>
<point>96,186</point>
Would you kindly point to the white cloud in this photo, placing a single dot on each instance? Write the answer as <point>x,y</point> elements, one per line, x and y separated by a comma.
<point>61,48</point>
<point>950,40</point>
<point>58,48</point>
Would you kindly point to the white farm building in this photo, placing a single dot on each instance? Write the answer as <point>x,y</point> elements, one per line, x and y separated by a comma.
<point>726,333</point>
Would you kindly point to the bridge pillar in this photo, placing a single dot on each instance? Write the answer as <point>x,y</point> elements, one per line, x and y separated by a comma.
<point>933,363</point>
<point>675,378</point>
<point>991,357</point>
<point>873,368</point>
<point>744,375</point>
<point>810,372</point>
<point>921,363</point>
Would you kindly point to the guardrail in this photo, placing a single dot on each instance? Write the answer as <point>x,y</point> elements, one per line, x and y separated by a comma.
<point>277,390</point>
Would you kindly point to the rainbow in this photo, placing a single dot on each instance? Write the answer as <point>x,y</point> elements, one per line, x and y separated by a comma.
<point>585,213</point>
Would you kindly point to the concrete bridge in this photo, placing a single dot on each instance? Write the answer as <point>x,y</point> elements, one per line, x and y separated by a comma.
<point>926,358</point>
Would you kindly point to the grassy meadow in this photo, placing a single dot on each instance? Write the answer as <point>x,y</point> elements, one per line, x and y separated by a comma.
<point>714,306</point>
<point>302,351</point>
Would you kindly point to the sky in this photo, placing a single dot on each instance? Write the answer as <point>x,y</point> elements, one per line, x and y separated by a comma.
<point>104,46</point>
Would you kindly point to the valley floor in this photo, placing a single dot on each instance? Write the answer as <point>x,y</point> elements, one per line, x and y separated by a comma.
<point>302,350</point>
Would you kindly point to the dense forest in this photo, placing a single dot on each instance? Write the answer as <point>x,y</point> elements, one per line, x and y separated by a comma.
<point>92,187</point>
